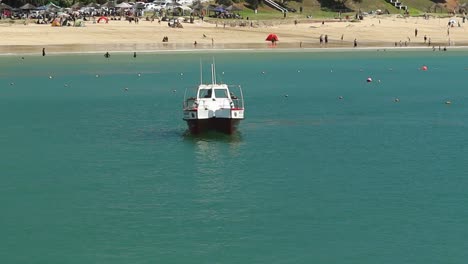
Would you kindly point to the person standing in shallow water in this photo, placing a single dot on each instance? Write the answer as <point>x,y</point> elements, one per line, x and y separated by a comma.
<point>43,51</point>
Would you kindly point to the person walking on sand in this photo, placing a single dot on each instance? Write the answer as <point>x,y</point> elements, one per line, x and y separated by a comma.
<point>355,43</point>
<point>326,39</point>
<point>425,38</point>
<point>321,40</point>
<point>415,32</point>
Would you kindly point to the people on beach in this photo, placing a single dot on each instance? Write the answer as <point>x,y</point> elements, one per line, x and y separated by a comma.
<point>355,43</point>
<point>326,39</point>
<point>273,42</point>
<point>425,38</point>
<point>415,32</point>
<point>43,52</point>
<point>321,40</point>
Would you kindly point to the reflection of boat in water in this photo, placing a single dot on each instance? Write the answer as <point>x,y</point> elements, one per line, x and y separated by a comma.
<point>215,107</point>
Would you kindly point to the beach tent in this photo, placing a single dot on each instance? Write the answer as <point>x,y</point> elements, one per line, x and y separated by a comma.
<point>52,5</point>
<point>233,8</point>
<point>56,23</point>
<point>272,37</point>
<point>28,7</point>
<point>110,4</point>
<point>77,5</point>
<point>5,6</point>
<point>219,9</point>
<point>123,5</point>
<point>93,5</point>
<point>103,18</point>
<point>198,6</point>
<point>78,23</point>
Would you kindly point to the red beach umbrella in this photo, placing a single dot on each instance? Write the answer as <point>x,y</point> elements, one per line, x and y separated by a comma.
<point>272,37</point>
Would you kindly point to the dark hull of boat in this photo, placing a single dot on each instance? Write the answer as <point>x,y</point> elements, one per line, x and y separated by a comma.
<point>223,125</point>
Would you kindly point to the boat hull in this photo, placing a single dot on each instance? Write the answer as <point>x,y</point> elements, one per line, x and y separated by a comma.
<point>223,125</point>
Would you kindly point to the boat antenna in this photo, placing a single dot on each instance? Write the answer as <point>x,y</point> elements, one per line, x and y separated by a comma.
<point>201,72</point>
<point>213,69</point>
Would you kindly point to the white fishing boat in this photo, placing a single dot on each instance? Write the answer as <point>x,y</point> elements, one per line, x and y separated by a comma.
<point>213,107</point>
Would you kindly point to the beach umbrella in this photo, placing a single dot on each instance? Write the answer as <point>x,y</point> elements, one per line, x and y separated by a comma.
<point>28,6</point>
<point>272,37</point>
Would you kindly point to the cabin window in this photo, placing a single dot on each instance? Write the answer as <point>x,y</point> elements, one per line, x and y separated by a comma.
<point>221,93</point>
<point>205,93</point>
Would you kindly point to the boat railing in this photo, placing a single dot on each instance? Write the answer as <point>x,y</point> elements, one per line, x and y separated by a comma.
<point>237,96</point>
<point>190,103</point>
<point>237,103</point>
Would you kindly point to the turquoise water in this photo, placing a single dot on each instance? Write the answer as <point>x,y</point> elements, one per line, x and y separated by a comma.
<point>94,173</point>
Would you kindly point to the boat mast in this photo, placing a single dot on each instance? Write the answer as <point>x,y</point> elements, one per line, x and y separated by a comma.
<point>201,73</point>
<point>213,72</point>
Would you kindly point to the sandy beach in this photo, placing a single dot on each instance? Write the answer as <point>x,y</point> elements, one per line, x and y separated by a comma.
<point>374,31</point>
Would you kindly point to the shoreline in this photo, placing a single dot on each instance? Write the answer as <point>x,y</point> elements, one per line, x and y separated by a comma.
<point>64,50</point>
